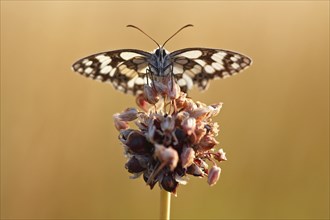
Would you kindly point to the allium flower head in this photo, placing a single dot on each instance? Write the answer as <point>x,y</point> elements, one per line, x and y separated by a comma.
<point>168,145</point>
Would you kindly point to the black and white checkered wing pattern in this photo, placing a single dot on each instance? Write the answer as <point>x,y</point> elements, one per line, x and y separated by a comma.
<point>197,66</point>
<point>124,69</point>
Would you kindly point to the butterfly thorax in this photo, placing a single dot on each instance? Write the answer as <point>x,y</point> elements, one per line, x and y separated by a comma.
<point>160,63</point>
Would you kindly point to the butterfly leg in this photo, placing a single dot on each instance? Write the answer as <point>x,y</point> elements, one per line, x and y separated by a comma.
<point>147,75</point>
<point>175,109</point>
<point>166,104</point>
<point>150,76</point>
<point>172,78</point>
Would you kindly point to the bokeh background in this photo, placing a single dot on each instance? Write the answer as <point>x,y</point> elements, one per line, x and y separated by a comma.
<point>60,156</point>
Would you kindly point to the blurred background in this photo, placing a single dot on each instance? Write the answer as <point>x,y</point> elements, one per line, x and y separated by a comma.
<point>60,156</point>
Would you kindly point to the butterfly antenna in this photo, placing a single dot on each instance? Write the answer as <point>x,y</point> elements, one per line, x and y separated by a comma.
<point>188,25</point>
<point>132,26</point>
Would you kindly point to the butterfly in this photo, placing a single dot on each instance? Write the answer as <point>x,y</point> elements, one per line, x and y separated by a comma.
<point>128,70</point>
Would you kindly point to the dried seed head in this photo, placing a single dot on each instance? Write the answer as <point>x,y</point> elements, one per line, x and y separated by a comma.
<point>214,175</point>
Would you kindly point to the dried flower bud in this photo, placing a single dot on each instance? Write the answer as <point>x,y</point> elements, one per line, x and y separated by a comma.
<point>119,124</point>
<point>202,164</point>
<point>183,180</point>
<point>182,116</point>
<point>150,94</point>
<point>151,183</point>
<point>190,106</point>
<point>189,125</point>
<point>195,170</point>
<point>200,113</point>
<point>129,114</point>
<point>199,133</point>
<point>151,133</point>
<point>125,133</point>
<point>220,155</point>
<point>138,143</point>
<point>167,155</point>
<point>168,124</point>
<point>181,101</point>
<point>207,142</point>
<point>187,157</point>
<point>214,128</point>
<point>200,104</point>
<point>180,139</point>
<point>141,125</point>
<point>161,87</point>
<point>169,183</point>
<point>215,108</point>
<point>174,91</point>
<point>142,102</point>
<point>214,175</point>
<point>134,166</point>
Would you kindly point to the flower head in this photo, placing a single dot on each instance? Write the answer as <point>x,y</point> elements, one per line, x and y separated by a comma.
<point>170,144</point>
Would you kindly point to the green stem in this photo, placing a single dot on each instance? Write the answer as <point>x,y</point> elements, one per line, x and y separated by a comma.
<point>165,205</point>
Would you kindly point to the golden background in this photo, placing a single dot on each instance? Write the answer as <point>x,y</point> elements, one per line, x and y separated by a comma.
<point>60,156</point>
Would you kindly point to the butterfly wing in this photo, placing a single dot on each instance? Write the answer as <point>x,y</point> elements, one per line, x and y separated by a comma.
<point>196,66</point>
<point>124,69</point>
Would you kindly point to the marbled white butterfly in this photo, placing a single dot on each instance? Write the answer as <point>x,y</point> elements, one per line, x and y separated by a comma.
<point>128,70</point>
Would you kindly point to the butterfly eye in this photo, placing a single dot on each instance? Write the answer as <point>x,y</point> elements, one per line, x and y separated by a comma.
<point>163,53</point>
<point>157,52</point>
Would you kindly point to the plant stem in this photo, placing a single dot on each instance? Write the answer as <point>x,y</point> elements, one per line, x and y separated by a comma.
<point>165,205</point>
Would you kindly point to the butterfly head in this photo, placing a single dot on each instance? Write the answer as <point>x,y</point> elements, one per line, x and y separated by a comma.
<point>160,52</point>
<point>160,62</point>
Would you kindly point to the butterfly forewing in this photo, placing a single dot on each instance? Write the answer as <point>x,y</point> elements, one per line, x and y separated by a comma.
<point>124,69</point>
<point>196,66</point>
